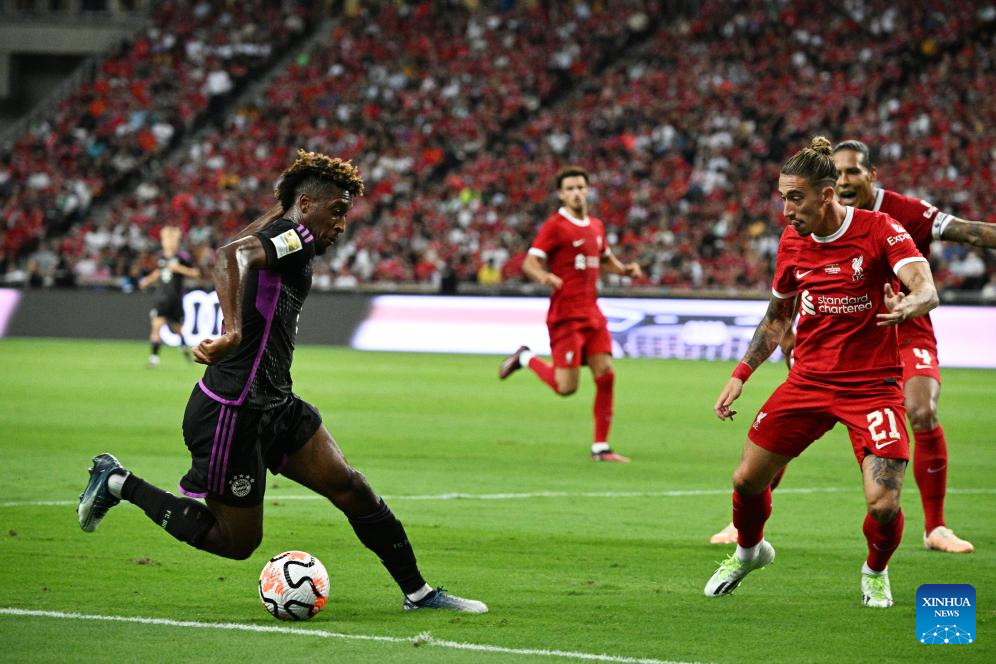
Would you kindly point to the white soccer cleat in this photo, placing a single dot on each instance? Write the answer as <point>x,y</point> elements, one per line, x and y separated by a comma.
<point>875,589</point>
<point>943,538</point>
<point>732,570</point>
<point>727,535</point>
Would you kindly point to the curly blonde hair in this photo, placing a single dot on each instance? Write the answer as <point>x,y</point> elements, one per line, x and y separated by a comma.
<point>314,173</point>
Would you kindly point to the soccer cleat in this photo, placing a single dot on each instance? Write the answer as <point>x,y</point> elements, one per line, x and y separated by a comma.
<point>153,361</point>
<point>942,538</point>
<point>609,455</point>
<point>440,599</point>
<point>732,571</point>
<point>96,498</point>
<point>875,589</point>
<point>185,351</point>
<point>727,535</point>
<point>511,363</point>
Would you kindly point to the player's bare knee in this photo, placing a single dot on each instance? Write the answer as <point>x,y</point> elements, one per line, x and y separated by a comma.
<point>884,508</point>
<point>923,417</point>
<point>566,389</point>
<point>242,548</point>
<point>745,484</point>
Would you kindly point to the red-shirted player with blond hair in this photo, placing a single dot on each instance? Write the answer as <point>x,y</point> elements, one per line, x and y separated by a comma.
<point>568,255</point>
<point>842,263</point>
<point>917,343</point>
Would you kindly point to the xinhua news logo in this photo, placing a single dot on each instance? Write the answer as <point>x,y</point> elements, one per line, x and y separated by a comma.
<point>945,614</point>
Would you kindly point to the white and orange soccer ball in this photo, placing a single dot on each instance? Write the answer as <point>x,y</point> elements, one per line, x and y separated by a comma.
<point>294,586</point>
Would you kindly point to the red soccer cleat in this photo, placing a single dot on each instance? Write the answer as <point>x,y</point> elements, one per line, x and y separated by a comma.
<point>609,455</point>
<point>511,363</point>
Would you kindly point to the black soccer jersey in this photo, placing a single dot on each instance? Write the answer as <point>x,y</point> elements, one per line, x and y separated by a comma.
<point>257,374</point>
<point>170,285</point>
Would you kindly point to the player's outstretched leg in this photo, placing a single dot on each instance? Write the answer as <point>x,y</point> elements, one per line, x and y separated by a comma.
<point>512,363</point>
<point>185,519</point>
<point>733,570</point>
<point>321,467</point>
<point>728,535</point>
<point>875,589</point>
<point>96,498</point>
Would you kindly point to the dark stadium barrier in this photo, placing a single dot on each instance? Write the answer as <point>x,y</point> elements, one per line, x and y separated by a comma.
<point>640,327</point>
<point>85,314</point>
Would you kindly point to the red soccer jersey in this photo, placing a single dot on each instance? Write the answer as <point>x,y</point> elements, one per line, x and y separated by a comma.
<point>924,223</point>
<point>840,280</point>
<point>573,250</point>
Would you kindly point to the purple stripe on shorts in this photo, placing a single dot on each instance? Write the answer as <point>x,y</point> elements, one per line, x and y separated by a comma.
<point>191,493</point>
<point>228,450</point>
<point>216,445</point>
<point>219,478</point>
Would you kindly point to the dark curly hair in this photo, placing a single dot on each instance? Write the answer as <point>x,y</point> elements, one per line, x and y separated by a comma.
<point>315,174</point>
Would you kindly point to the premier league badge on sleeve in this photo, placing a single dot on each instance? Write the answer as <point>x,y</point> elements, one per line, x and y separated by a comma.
<point>945,614</point>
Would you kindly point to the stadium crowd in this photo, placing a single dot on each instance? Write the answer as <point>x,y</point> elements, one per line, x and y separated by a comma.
<point>458,115</point>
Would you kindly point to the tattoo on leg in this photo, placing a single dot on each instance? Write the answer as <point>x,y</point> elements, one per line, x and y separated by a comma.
<point>888,472</point>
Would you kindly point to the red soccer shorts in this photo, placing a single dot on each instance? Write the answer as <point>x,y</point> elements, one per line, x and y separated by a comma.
<point>572,342</point>
<point>799,412</point>
<point>920,359</point>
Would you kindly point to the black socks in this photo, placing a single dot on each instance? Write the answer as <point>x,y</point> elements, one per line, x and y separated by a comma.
<point>382,533</point>
<point>185,519</point>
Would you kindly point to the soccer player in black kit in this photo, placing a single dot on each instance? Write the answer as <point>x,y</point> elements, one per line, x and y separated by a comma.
<point>242,417</point>
<point>172,265</point>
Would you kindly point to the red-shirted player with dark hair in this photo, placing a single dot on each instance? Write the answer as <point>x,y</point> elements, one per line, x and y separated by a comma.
<point>842,264</point>
<point>568,255</point>
<point>917,343</point>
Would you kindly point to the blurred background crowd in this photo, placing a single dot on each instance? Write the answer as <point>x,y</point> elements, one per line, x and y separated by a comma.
<point>459,112</point>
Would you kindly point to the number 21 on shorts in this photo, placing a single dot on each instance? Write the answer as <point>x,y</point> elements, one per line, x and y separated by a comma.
<point>876,419</point>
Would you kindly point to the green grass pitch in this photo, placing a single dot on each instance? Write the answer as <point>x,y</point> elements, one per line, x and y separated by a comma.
<point>562,569</point>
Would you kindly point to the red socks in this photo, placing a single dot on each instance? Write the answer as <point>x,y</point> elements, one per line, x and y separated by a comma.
<point>883,540</point>
<point>749,515</point>
<point>544,371</point>
<point>603,406</point>
<point>930,468</point>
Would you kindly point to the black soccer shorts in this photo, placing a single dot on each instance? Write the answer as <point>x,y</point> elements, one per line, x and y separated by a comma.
<point>232,447</point>
<point>169,308</point>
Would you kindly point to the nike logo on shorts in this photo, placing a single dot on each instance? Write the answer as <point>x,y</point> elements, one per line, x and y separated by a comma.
<point>800,275</point>
<point>577,243</point>
<point>879,446</point>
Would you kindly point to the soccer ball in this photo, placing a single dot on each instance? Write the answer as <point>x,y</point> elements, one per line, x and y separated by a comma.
<point>294,586</point>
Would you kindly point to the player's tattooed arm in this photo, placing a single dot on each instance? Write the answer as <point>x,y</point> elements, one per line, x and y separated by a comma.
<point>888,473</point>
<point>777,320</point>
<point>975,233</point>
<point>232,267</point>
<point>769,332</point>
<point>922,296</point>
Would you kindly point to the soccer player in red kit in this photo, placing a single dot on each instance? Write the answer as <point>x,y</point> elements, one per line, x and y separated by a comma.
<point>568,256</point>
<point>917,343</point>
<point>842,264</point>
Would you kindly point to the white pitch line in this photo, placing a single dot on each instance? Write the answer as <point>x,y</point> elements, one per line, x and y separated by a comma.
<point>423,639</point>
<point>678,493</point>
